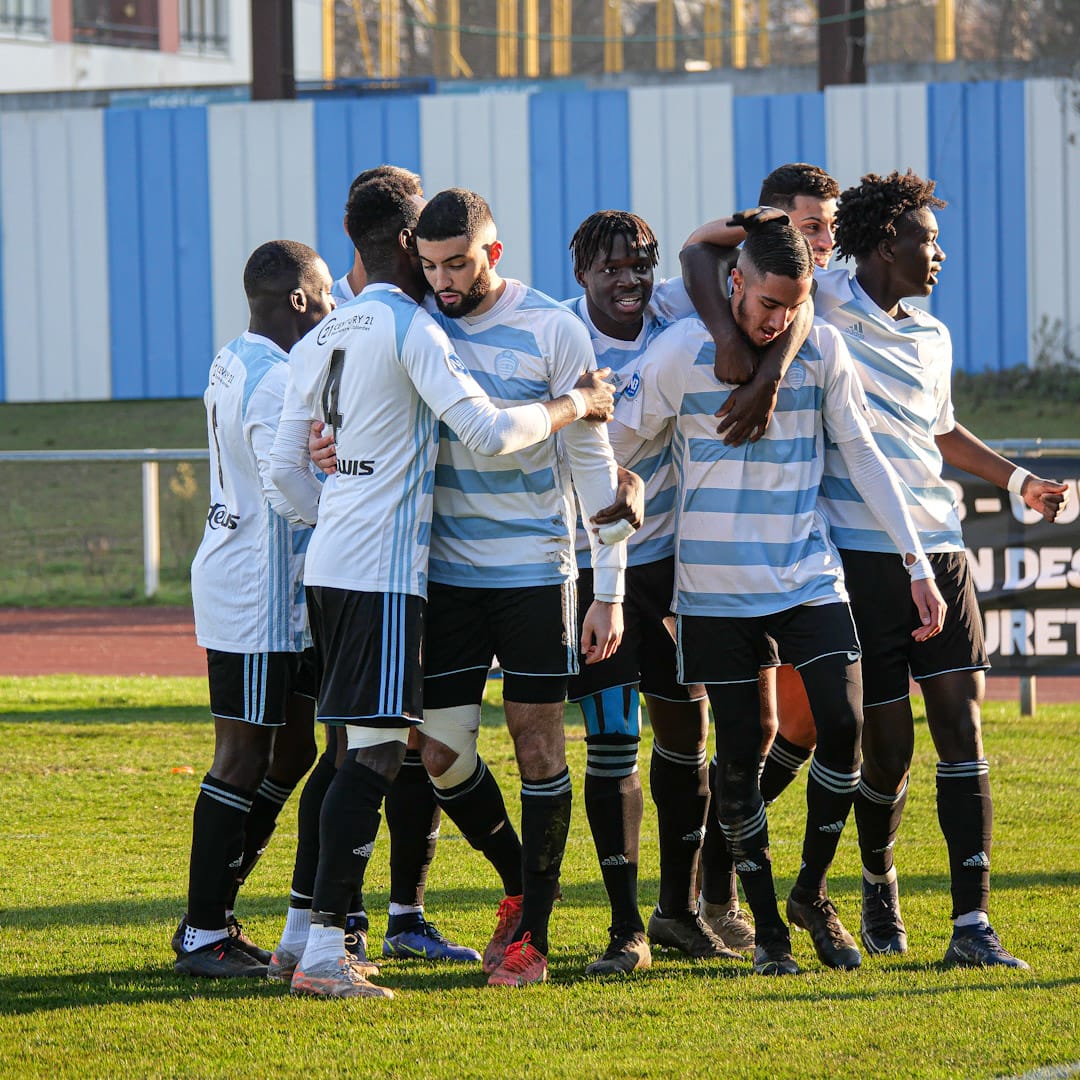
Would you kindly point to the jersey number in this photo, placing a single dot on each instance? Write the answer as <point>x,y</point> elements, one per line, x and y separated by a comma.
<point>331,391</point>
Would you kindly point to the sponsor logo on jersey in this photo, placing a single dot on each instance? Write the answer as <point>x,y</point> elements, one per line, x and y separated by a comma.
<point>506,363</point>
<point>220,517</point>
<point>633,386</point>
<point>220,374</point>
<point>454,362</point>
<point>796,375</point>
<point>978,862</point>
<point>331,327</point>
<point>855,330</point>
<point>355,467</point>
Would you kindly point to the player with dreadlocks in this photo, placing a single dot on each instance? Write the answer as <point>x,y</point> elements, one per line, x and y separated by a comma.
<point>903,358</point>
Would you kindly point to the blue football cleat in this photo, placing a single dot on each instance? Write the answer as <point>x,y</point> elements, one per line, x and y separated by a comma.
<point>424,942</point>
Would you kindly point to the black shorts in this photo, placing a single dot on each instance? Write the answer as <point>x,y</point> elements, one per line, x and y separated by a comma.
<point>253,687</point>
<point>369,648</point>
<point>647,652</point>
<point>885,614</point>
<point>729,649</point>
<point>533,631</point>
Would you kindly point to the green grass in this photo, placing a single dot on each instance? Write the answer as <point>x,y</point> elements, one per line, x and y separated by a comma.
<point>95,828</point>
<point>74,532</point>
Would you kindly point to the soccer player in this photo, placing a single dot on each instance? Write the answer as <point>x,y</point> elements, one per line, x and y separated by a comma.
<point>755,570</point>
<point>382,375</point>
<point>247,591</point>
<point>502,572</point>
<point>903,359</point>
<point>614,254</point>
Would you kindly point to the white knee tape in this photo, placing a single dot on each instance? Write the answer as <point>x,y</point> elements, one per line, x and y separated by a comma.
<point>456,728</point>
<point>360,738</point>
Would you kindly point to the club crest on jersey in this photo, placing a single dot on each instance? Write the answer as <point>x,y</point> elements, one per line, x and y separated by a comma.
<point>506,363</point>
<point>633,386</point>
<point>796,375</point>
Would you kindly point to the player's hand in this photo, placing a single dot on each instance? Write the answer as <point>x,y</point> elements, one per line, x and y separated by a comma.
<point>931,607</point>
<point>747,411</point>
<point>599,394</point>
<point>1046,497</point>
<point>602,631</point>
<point>629,504</point>
<point>322,449</point>
<point>757,216</point>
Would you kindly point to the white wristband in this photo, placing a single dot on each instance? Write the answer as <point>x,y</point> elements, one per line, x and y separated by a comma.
<point>1016,481</point>
<point>580,406</point>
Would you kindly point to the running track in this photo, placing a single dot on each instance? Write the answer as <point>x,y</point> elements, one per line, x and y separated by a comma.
<point>161,641</point>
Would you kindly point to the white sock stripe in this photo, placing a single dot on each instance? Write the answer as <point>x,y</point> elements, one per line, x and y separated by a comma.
<point>957,769</point>
<point>557,785</point>
<point>786,758</point>
<point>227,798</point>
<point>873,796</point>
<point>612,772</point>
<point>830,778</point>
<point>276,793</point>
<point>689,760</point>
<point>747,828</point>
<point>444,796</point>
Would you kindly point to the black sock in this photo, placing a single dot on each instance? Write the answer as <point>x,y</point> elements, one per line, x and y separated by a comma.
<point>476,807</point>
<point>348,826</point>
<point>748,837</point>
<point>217,850</point>
<point>545,824</point>
<point>307,824</point>
<point>829,794</point>
<point>781,766</point>
<point>614,805</point>
<point>412,817</point>
<point>717,867</point>
<point>259,827</point>
<point>966,815</point>
<point>878,819</point>
<point>679,787</point>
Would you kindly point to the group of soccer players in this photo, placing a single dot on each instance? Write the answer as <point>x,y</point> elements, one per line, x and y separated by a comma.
<point>797,555</point>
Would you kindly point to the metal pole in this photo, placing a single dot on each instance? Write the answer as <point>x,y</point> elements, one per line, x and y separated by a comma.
<point>1028,696</point>
<point>151,528</point>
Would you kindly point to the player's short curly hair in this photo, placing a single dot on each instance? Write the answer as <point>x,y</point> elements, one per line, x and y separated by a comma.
<point>783,185</point>
<point>277,267</point>
<point>597,233</point>
<point>376,213</point>
<point>868,212</point>
<point>386,172</point>
<point>777,247</point>
<point>454,212</point>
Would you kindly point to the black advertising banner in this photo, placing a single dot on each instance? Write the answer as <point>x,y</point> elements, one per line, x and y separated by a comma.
<point>1027,572</point>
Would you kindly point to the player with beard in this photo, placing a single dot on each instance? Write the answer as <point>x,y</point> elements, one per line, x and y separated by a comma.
<point>502,571</point>
<point>755,570</point>
<point>903,359</point>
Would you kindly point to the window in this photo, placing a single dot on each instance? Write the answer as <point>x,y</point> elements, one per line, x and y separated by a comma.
<point>129,23</point>
<point>24,18</point>
<point>204,26</point>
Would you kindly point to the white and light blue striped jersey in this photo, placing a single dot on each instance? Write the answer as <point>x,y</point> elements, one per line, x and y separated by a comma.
<point>508,521</point>
<point>905,367</point>
<point>656,537</point>
<point>379,372</point>
<point>749,537</point>
<point>342,291</point>
<point>247,579</point>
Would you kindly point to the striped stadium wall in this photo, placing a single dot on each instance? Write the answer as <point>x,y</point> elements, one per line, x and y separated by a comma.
<point>123,233</point>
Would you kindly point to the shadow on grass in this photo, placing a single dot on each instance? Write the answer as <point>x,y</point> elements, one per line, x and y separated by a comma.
<point>114,714</point>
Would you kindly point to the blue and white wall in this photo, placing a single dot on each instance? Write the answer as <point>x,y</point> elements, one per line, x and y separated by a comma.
<point>124,232</point>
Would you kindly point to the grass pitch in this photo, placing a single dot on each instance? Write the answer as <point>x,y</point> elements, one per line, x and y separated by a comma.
<point>95,830</point>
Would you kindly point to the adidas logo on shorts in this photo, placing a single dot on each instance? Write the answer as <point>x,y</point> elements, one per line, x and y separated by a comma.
<point>364,850</point>
<point>977,862</point>
<point>615,860</point>
<point>834,827</point>
<point>747,867</point>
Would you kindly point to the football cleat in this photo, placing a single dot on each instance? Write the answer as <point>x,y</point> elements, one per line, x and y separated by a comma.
<point>521,965</point>
<point>222,959</point>
<point>627,951</point>
<point>772,954</point>
<point>687,933</point>
<point>730,923</point>
<point>979,946</point>
<point>423,941</point>
<point>338,978</point>
<point>834,946</point>
<point>356,950</point>
<point>881,928</point>
<point>242,941</point>
<point>507,919</point>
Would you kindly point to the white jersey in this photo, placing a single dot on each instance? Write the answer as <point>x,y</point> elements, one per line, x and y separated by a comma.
<point>905,367</point>
<point>379,372</point>
<point>508,521</point>
<point>247,579</point>
<point>656,537</point>
<point>749,537</point>
<point>342,291</point>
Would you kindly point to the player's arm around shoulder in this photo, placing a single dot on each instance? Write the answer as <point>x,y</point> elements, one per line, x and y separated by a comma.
<point>289,458</point>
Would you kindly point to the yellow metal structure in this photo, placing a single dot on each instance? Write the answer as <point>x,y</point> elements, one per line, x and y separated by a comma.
<point>613,35</point>
<point>389,31</point>
<point>532,38</point>
<point>365,41</point>
<point>506,26</point>
<point>561,23</point>
<point>738,34</point>
<point>945,32</point>
<point>714,26</point>
<point>763,54</point>
<point>329,59</point>
<point>665,35</point>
